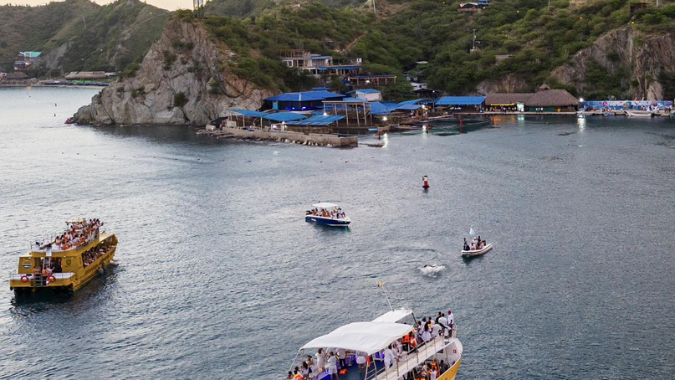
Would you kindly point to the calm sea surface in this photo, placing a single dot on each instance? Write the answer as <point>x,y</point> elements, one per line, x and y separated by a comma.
<point>219,277</point>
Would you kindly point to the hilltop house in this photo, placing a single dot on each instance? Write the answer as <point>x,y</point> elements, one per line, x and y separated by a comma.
<point>320,64</point>
<point>26,59</point>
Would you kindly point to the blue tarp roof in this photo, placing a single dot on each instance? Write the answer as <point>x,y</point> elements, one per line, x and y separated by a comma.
<point>414,101</point>
<point>318,120</point>
<point>408,107</point>
<point>460,101</point>
<point>283,116</point>
<point>249,113</point>
<point>378,108</point>
<point>368,91</point>
<point>358,100</point>
<point>307,96</point>
<point>320,88</point>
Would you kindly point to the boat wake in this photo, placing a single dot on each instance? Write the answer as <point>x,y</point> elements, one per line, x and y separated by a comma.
<point>431,270</point>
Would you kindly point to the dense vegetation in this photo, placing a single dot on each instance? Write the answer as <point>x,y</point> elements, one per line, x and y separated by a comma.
<point>537,36</point>
<point>108,37</point>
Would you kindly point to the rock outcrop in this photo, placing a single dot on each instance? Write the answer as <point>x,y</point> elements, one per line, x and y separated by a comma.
<point>644,57</point>
<point>507,84</point>
<point>184,79</point>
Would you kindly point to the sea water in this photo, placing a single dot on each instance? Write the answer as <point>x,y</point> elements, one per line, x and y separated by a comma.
<point>219,277</point>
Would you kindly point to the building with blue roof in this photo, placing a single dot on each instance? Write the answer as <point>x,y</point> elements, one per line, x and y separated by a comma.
<point>369,94</point>
<point>300,101</point>
<point>461,103</point>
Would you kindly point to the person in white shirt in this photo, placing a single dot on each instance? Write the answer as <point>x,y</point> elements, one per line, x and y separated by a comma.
<point>342,356</point>
<point>443,321</point>
<point>320,360</point>
<point>361,360</point>
<point>332,365</point>
<point>388,357</point>
<point>435,331</point>
<point>426,335</point>
<point>451,319</point>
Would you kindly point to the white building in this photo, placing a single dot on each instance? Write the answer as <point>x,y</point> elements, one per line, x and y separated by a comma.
<point>369,94</point>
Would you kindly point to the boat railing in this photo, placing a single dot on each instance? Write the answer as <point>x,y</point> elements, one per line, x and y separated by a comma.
<point>411,360</point>
<point>44,247</point>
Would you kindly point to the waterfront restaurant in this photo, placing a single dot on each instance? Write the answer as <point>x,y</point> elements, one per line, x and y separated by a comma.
<point>300,101</point>
<point>498,102</point>
<point>547,100</point>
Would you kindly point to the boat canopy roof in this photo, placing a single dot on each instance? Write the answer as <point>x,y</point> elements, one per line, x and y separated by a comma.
<point>368,337</point>
<point>325,205</point>
<point>393,316</point>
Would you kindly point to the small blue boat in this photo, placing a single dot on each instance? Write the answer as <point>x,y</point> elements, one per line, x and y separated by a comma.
<point>327,214</point>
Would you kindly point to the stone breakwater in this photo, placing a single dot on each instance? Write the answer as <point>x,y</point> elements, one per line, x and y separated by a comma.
<point>312,139</point>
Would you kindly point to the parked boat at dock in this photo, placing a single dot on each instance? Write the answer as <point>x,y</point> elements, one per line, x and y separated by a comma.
<point>383,349</point>
<point>327,214</point>
<point>635,113</point>
<point>65,262</point>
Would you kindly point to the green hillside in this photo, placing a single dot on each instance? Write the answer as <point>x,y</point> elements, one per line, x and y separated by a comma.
<point>106,37</point>
<point>538,37</point>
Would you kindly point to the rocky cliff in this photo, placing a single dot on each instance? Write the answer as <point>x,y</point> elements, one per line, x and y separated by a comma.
<point>624,50</point>
<point>184,79</point>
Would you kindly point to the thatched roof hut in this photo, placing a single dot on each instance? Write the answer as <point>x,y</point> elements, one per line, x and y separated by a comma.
<point>552,98</point>
<point>86,75</point>
<point>17,75</point>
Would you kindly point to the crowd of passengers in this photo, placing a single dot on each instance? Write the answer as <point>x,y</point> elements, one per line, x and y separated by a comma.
<point>335,213</point>
<point>476,244</point>
<point>335,362</point>
<point>77,234</point>
<point>94,254</point>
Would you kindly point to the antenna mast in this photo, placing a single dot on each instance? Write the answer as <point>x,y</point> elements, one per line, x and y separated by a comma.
<point>381,286</point>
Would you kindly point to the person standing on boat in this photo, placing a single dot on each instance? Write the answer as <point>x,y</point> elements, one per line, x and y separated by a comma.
<point>332,365</point>
<point>320,360</point>
<point>451,321</point>
<point>388,357</point>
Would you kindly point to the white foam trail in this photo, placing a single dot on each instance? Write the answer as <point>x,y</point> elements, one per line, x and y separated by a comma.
<point>431,270</point>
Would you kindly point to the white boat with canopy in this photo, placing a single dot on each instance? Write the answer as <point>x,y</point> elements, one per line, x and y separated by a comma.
<point>328,214</point>
<point>383,349</point>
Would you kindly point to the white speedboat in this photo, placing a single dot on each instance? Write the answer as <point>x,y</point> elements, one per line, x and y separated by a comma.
<point>636,113</point>
<point>327,214</point>
<point>477,252</point>
<point>366,347</point>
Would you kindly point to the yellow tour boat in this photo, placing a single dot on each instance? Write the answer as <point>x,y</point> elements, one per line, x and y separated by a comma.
<point>65,262</point>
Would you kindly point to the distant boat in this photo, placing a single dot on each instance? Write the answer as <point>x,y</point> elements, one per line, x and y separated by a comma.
<point>327,214</point>
<point>476,252</point>
<point>640,113</point>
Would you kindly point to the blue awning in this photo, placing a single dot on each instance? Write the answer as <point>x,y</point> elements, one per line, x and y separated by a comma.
<point>460,101</point>
<point>368,91</point>
<point>378,108</point>
<point>249,113</point>
<point>322,57</point>
<point>283,116</point>
<point>414,101</point>
<point>307,96</point>
<point>318,120</point>
<point>409,107</point>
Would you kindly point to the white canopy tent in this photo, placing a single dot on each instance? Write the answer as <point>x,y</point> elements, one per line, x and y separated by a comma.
<point>368,337</point>
<point>325,205</point>
<point>393,316</point>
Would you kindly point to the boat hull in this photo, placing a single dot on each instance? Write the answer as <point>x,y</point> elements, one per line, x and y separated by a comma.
<point>477,252</point>
<point>323,221</point>
<point>639,113</point>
